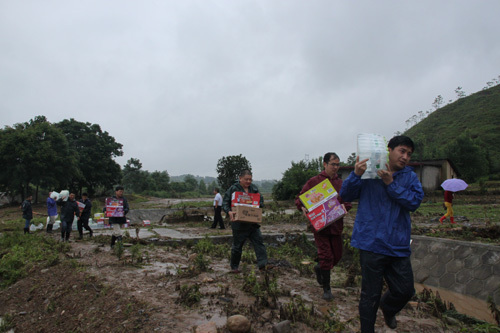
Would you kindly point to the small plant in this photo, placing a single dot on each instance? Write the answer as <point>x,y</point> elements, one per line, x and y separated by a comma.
<point>6,323</point>
<point>118,249</point>
<point>189,295</point>
<point>201,264</point>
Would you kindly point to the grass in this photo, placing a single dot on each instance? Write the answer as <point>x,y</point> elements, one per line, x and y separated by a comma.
<point>21,252</point>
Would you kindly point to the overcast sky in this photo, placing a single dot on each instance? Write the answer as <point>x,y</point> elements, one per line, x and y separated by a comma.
<point>183,83</point>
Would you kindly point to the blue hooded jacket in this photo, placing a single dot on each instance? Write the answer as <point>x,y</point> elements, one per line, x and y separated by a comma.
<point>382,222</point>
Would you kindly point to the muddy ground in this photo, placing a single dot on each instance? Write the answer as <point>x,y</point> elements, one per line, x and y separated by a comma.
<point>92,290</point>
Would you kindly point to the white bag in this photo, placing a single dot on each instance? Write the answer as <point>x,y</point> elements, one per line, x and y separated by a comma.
<point>63,195</point>
<point>373,147</point>
<point>54,195</point>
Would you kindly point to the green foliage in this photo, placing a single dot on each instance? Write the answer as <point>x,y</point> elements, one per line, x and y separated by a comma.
<point>118,250</point>
<point>20,253</point>
<point>479,114</point>
<point>468,156</point>
<point>94,151</point>
<point>229,168</point>
<point>189,295</point>
<point>7,323</point>
<point>295,177</point>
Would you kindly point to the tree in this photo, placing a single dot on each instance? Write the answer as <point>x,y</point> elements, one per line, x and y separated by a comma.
<point>95,152</point>
<point>460,93</point>
<point>159,180</point>
<point>294,179</point>
<point>191,182</point>
<point>203,187</point>
<point>469,157</point>
<point>229,168</point>
<point>35,153</point>
<point>134,179</point>
<point>351,160</point>
<point>438,101</point>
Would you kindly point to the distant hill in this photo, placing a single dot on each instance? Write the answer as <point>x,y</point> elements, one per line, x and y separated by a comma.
<point>479,114</point>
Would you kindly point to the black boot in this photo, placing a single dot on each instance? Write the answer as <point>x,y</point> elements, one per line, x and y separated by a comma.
<point>49,228</point>
<point>91,233</point>
<point>327,290</point>
<point>319,278</point>
<point>113,241</point>
<point>26,231</point>
<point>80,235</point>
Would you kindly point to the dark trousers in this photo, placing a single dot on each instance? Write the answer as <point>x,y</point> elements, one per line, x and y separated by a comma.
<point>66,229</point>
<point>218,217</point>
<point>398,274</point>
<point>239,238</point>
<point>83,222</point>
<point>329,250</point>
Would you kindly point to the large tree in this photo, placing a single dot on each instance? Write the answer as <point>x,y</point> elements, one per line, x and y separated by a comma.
<point>95,150</point>
<point>229,168</point>
<point>134,178</point>
<point>470,158</point>
<point>295,177</point>
<point>35,153</point>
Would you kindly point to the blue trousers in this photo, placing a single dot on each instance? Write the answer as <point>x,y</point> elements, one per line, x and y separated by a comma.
<point>27,223</point>
<point>398,274</point>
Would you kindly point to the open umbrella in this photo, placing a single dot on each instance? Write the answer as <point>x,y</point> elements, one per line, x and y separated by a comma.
<point>454,185</point>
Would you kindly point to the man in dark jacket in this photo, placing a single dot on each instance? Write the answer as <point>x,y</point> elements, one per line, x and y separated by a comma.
<point>83,222</point>
<point>243,230</point>
<point>118,221</point>
<point>329,240</point>
<point>27,213</point>
<point>382,231</point>
<point>69,209</point>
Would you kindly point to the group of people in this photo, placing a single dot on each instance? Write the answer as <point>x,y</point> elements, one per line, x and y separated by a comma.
<point>382,230</point>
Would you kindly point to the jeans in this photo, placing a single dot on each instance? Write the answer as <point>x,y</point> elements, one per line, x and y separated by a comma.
<point>239,238</point>
<point>27,223</point>
<point>398,274</point>
<point>66,229</point>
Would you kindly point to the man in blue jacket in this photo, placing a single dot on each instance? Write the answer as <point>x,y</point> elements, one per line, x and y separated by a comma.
<point>382,232</point>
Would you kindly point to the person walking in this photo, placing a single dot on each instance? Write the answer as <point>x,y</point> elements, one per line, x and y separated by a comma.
<point>117,222</point>
<point>382,231</point>
<point>69,210</point>
<point>244,230</point>
<point>218,210</point>
<point>27,210</point>
<point>448,203</point>
<point>51,212</point>
<point>83,222</point>
<point>329,240</point>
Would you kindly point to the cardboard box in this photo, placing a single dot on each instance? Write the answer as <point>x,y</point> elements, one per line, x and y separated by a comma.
<point>114,207</point>
<point>146,223</point>
<point>317,195</point>
<point>326,214</point>
<point>245,199</point>
<point>81,205</point>
<point>247,214</point>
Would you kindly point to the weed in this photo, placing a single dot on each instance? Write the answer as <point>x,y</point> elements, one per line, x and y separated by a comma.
<point>6,323</point>
<point>118,249</point>
<point>201,264</point>
<point>188,295</point>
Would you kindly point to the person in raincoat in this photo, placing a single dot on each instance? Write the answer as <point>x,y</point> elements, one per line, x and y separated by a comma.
<point>382,230</point>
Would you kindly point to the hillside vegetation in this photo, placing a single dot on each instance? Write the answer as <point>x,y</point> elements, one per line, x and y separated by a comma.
<point>463,131</point>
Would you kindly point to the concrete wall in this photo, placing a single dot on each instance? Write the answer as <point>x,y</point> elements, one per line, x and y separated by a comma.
<point>467,268</point>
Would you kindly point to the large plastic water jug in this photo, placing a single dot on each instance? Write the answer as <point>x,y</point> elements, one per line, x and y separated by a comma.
<point>373,147</point>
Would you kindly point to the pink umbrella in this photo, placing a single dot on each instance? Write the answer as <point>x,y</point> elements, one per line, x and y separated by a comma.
<point>454,185</point>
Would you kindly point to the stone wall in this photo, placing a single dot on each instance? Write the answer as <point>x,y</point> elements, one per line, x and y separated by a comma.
<point>464,267</point>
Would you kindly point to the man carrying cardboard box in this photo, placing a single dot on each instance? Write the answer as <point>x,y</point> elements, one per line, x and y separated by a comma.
<point>244,230</point>
<point>328,240</point>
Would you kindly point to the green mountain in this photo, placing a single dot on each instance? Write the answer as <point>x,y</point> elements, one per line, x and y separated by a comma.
<point>475,118</point>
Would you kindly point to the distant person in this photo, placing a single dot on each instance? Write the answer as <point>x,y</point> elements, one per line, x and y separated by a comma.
<point>27,213</point>
<point>448,203</point>
<point>83,222</point>
<point>117,222</point>
<point>51,212</point>
<point>382,232</point>
<point>218,210</point>
<point>244,230</point>
<point>69,209</point>
<point>329,240</point>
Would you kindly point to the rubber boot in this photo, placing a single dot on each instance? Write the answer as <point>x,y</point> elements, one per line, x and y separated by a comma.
<point>327,290</point>
<point>452,220</point>
<point>26,231</point>
<point>442,219</point>
<point>49,228</point>
<point>91,233</point>
<point>319,277</point>
<point>80,235</point>
<point>113,241</point>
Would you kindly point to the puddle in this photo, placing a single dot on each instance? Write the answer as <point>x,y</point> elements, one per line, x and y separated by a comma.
<point>464,304</point>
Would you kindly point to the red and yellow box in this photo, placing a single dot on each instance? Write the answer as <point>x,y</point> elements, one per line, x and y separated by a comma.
<point>245,199</point>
